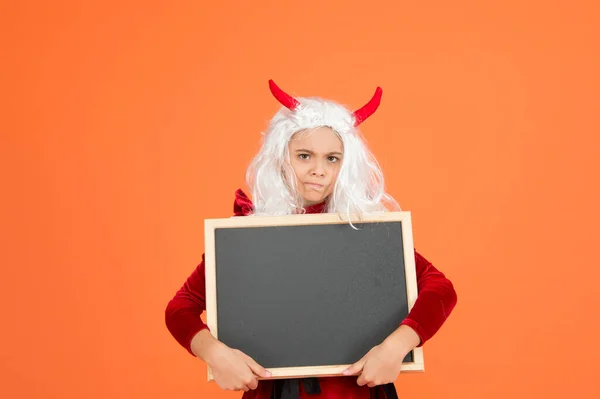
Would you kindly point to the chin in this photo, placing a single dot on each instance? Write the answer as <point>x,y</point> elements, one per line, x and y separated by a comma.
<point>314,198</point>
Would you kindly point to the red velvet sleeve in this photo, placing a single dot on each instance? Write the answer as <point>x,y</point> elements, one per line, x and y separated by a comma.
<point>435,301</point>
<point>182,314</point>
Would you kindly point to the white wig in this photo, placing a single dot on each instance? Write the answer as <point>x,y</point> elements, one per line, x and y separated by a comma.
<point>359,187</point>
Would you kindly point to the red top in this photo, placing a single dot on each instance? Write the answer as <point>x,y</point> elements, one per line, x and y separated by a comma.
<point>435,301</point>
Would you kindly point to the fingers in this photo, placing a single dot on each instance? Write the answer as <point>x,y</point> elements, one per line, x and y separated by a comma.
<point>372,378</point>
<point>233,385</point>
<point>240,374</point>
<point>250,381</point>
<point>246,383</point>
<point>256,368</point>
<point>253,384</point>
<point>362,380</point>
<point>365,379</point>
<point>355,368</point>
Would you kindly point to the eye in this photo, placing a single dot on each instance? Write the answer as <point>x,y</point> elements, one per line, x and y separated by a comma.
<point>333,159</point>
<point>303,156</point>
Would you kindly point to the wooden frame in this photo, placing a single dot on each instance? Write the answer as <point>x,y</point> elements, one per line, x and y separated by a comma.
<point>417,365</point>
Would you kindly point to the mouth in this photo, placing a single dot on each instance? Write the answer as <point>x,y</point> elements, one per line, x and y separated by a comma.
<point>314,185</point>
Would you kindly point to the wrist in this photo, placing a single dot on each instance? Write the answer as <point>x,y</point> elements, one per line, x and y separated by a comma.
<point>403,340</point>
<point>203,345</point>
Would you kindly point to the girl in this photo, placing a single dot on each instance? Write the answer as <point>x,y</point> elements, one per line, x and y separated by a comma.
<point>313,160</point>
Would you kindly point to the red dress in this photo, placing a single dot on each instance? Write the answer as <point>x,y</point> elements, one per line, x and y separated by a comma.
<point>436,300</point>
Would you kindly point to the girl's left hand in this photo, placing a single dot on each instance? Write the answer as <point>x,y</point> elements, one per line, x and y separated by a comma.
<point>382,364</point>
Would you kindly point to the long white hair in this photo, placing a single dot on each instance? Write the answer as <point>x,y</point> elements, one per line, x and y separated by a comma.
<point>359,187</point>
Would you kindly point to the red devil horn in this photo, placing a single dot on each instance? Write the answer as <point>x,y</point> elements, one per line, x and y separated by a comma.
<point>360,115</point>
<point>284,98</point>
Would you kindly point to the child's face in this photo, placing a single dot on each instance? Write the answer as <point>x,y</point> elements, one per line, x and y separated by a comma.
<point>316,157</point>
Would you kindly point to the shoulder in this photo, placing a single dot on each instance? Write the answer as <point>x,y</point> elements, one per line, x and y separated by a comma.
<point>420,258</point>
<point>242,204</point>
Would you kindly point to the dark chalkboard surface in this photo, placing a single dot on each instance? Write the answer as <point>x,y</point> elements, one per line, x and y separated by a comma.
<point>308,295</point>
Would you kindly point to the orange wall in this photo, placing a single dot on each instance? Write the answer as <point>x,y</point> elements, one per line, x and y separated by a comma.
<point>117,128</point>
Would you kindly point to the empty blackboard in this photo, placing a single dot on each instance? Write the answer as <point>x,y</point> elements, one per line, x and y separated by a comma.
<point>308,295</point>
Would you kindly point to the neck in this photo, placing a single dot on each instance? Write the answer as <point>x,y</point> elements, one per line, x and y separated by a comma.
<point>315,207</point>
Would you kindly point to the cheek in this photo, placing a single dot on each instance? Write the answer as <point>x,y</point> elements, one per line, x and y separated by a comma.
<point>298,173</point>
<point>335,171</point>
<point>299,168</point>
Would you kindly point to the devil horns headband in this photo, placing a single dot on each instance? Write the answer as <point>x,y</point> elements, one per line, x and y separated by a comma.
<point>360,115</point>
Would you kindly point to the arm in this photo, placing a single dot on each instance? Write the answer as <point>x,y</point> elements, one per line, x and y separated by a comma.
<point>435,301</point>
<point>182,315</point>
<point>232,369</point>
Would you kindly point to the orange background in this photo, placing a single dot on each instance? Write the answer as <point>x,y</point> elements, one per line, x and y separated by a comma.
<point>118,121</point>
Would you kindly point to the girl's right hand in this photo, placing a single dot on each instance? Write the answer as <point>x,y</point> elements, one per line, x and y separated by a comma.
<point>232,369</point>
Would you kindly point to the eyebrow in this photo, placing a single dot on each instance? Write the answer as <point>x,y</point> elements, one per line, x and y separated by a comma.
<point>311,152</point>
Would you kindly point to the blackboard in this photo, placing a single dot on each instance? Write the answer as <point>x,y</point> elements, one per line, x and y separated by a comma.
<point>308,295</point>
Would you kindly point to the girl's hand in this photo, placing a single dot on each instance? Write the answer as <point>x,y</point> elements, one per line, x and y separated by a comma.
<point>232,369</point>
<point>379,366</point>
<point>382,364</point>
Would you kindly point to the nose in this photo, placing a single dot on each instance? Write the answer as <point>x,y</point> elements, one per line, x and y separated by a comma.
<point>318,169</point>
